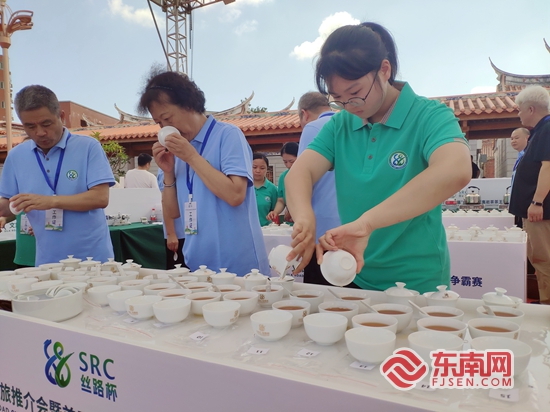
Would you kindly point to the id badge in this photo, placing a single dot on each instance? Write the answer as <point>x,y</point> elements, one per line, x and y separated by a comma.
<point>54,219</point>
<point>190,212</point>
<point>25,225</point>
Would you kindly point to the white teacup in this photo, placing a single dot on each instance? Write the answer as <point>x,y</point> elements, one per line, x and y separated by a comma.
<point>247,299</point>
<point>347,309</point>
<point>424,342</point>
<point>356,296</point>
<point>454,326</point>
<point>199,299</point>
<point>158,287</point>
<point>116,299</point>
<point>375,321</point>
<point>338,267</point>
<point>164,132</point>
<point>41,275</point>
<point>198,286</point>
<point>522,351</point>
<point>298,308</point>
<point>266,299</point>
<point>141,307</point>
<point>493,327</point>
<point>371,345</point>
<point>172,310</point>
<point>325,328</point>
<point>221,314</point>
<point>503,312</point>
<point>443,312</point>
<point>101,281</point>
<point>98,294</point>
<point>137,284</point>
<point>17,286</point>
<point>314,297</point>
<point>174,293</point>
<point>287,283</point>
<point>403,313</point>
<point>271,325</point>
<point>46,284</point>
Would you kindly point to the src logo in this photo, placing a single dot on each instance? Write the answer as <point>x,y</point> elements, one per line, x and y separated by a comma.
<point>398,160</point>
<point>404,369</point>
<point>58,363</point>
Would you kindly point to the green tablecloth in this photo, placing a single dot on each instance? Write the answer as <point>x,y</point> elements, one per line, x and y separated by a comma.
<point>142,243</point>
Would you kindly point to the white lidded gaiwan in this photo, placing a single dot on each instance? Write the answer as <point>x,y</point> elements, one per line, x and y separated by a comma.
<point>203,274</point>
<point>442,297</point>
<point>89,263</point>
<point>254,278</point>
<point>400,294</point>
<point>223,277</point>
<point>499,298</point>
<point>338,267</point>
<point>131,265</point>
<point>71,261</point>
<point>178,270</point>
<point>110,265</point>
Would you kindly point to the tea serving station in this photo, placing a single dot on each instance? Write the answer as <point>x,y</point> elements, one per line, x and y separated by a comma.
<point>109,361</point>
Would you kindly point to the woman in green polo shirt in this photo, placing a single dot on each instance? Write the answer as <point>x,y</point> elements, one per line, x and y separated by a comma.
<point>266,192</point>
<point>396,157</point>
<point>289,153</point>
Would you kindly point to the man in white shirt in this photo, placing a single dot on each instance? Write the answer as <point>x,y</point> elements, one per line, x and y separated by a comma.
<point>140,177</point>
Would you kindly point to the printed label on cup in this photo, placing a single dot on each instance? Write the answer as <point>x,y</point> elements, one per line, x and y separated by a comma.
<point>308,353</point>
<point>198,336</point>
<point>362,365</point>
<point>508,395</point>
<point>258,351</point>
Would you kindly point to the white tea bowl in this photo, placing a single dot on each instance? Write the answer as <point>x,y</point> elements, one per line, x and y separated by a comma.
<point>221,314</point>
<point>325,328</point>
<point>271,325</point>
<point>172,310</point>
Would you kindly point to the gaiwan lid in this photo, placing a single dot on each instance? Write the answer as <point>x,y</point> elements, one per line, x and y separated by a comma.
<point>254,274</point>
<point>90,262</point>
<point>498,297</point>
<point>444,294</point>
<point>399,290</point>
<point>70,259</point>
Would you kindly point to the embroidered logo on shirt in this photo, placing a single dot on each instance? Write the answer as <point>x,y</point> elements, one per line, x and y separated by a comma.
<point>267,199</point>
<point>398,160</point>
<point>72,175</point>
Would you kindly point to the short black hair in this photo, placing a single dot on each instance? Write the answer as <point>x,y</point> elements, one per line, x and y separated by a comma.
<point>35,97</point>
<point>290,148</point>
<point>260,156</point>
<point>174,88</point>
<point>143,159</point>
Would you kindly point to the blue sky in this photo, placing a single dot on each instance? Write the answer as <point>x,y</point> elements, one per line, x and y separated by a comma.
<point>98,52</point>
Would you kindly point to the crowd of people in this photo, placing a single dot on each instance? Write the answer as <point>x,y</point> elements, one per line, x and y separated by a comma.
<point>369,146</point>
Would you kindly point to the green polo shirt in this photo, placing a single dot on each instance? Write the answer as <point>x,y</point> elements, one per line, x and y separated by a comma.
<point>374,161</point>
<point>281,192</point>
<point>266,198</point>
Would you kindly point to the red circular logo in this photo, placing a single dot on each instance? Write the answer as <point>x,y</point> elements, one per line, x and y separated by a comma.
<point>404,369</point>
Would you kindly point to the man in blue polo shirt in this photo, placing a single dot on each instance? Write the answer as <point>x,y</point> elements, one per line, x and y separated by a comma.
<point>61,180</point>
<point>314,113</point>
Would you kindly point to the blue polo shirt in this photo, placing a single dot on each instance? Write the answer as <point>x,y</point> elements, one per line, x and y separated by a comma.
<point>84,166</point>
<point>228,236</point>
<point>323,199</point>
<point>178,223</point>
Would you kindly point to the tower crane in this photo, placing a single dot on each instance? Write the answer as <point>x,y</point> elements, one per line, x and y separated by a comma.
<point>178,30</point>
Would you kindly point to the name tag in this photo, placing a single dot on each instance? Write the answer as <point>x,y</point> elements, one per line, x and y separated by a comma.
<point>25,225</point>
<point>54,219</point>
<point>190,215</point>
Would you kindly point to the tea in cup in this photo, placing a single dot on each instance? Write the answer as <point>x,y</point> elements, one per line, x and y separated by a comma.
<point>375,320</point>
<point>403,313</point>
<point>313,297</point>
<point>448,325</point>
<point>347,309</point>
<point>493,327</point>
<point>298,308</point>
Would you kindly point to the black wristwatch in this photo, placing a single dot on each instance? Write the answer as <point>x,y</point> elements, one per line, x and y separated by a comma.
<point>536,203</point>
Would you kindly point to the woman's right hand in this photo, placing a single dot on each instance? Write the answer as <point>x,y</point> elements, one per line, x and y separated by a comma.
<point>271,216</point>
<point>163,158</point>
<point>303,242</point>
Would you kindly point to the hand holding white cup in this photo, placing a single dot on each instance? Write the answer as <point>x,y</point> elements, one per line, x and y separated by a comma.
<point>14,210</point>
<point>165,131</point>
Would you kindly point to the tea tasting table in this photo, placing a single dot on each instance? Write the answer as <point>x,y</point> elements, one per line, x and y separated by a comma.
<point>476,267</point>
<point>497,219</point>
<point>192,366</point>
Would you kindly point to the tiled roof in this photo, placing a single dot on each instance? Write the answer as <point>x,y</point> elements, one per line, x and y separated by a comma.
<point>259,122</point>
<point>122,131</point>
<point>477,104</point>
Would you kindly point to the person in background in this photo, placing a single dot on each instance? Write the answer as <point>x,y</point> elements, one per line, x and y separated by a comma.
<point>396,157</point>
<point>266,192</point>
<point>475,169</point>
<point>289,153</point>
<point>25,244</point>
<point>529,198</point>
<point>140,177</point>
<point>174,233</point>
<point>314,112</point>
<point>518,141</point>
<point>60,180</point>
<point>212,186</point>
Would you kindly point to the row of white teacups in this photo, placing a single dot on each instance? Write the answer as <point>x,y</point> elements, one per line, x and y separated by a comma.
<point>162,295</point>
<point>490,234</point>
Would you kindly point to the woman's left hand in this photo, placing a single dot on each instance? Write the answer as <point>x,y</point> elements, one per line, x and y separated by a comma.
<point>352,237</point>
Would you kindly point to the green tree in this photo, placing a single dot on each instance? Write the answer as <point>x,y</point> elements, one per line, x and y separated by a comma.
<point>257,109</point>
<point>116,154</point>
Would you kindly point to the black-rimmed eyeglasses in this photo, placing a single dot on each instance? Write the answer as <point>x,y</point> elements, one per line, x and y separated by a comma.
<point>353,102</point>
